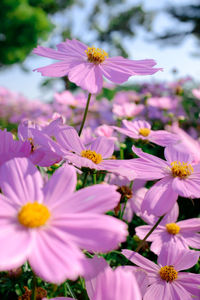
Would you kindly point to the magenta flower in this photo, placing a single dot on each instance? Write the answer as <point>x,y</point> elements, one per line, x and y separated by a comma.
<point>86,66</point>
<point>183,233</point>
<point>142,130</point>
<point>179,176</point>
<point>166,282</point>
<point>96,156</point>
<point>39,155</point>
<point>49,225</point>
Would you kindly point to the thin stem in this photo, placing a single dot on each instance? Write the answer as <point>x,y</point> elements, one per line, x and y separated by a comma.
<point>34,287</point>
<point>148,234</point>
<point>131,184</point>
<point>85,179</point>
<point>121,153</point>
<point>95,178</point>
<point>70,290</point>
<point>122,213</point>
<point>85,114</point>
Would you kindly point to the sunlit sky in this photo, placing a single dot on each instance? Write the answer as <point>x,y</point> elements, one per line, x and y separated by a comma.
<point>179,57</point>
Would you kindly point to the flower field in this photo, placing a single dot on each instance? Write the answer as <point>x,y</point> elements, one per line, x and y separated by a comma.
<point>100,187</point>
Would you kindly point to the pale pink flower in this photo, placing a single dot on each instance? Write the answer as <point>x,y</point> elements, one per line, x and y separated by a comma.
<point>48,226</point>
<point>166,282</point>
<point>178,174</point>
<point>127,110</point>
<point>86,66</point>
<point>140,129</point>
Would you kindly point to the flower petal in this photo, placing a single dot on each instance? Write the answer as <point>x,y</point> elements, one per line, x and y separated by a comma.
<point>54,259</point>
<point>60,186</point>
<point>88,76</point>
<point>180,258</point>
<point>160,198</point>
<point>94,199</point>
<point>141,261</point>
<point>92,232</point>
<point>104,146</point>
<point>21,181</point>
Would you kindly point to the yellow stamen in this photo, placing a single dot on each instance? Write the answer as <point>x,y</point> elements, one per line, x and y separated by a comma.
<point>144,131</point>
<point>33,215</point>
<point>168,273</point>
<point>96,55</point>
<point>92,155</point>
<point>172,228</point>
<point>182,170</point>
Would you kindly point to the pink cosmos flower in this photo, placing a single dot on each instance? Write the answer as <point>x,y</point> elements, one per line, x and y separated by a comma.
<point>127,110</point>
<point>183,233</point>
<point>39,155</point>
<point>142,130</point>
<point>49,225</point>
<point>86,66</point>
<point>96,155</point>
<point>178,174</point>
<point>166,282</point>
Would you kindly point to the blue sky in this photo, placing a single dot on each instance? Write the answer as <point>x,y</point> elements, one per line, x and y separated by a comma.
<point>167,57</point>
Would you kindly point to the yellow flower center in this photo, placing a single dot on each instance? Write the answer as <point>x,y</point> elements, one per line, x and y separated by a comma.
<point>172,228</point>
<point>168,273</point>
<point>181,170</point>
<point>144,131</point>
<point>33,215</point>
<point>96,55</point>
<point>92,155</point>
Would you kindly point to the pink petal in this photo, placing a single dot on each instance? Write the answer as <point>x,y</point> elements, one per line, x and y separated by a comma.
<point>91,231</point>
<point>21,181</point>
<point>120,167</point>
<point>141,261</point>
<point>60,186</point>
<point>88,76</point>
<point>178,292</point>
<point>117,284</point>
<point>148,166</point>
<point>58,69</point>
<point>160,198</point>
<point>190,225</point>
<point>68,138</point>
<point>163,138</point>
<point>104,146</point>
<point>50,53</point>
<point>189,187</point>
<point>171,154</point>
<point>190,282</point>
<point>54,259</point>
<point>192,239</point>
<point>16,243</point>
<point>94,199</point>
<point>159,290</point>
<point>180,258</point>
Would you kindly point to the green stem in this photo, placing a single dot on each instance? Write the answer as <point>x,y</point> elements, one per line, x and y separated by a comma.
<point>34,287</point>
<point>85,179</point>
<point>85,114</point>
<point>121,153</point>
<point>95,178</point>
<point>148,234</point>
<point>70,290</point>
<point>126,200</point>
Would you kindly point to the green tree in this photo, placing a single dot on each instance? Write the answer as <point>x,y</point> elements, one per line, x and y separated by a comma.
<point>23,24</point>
